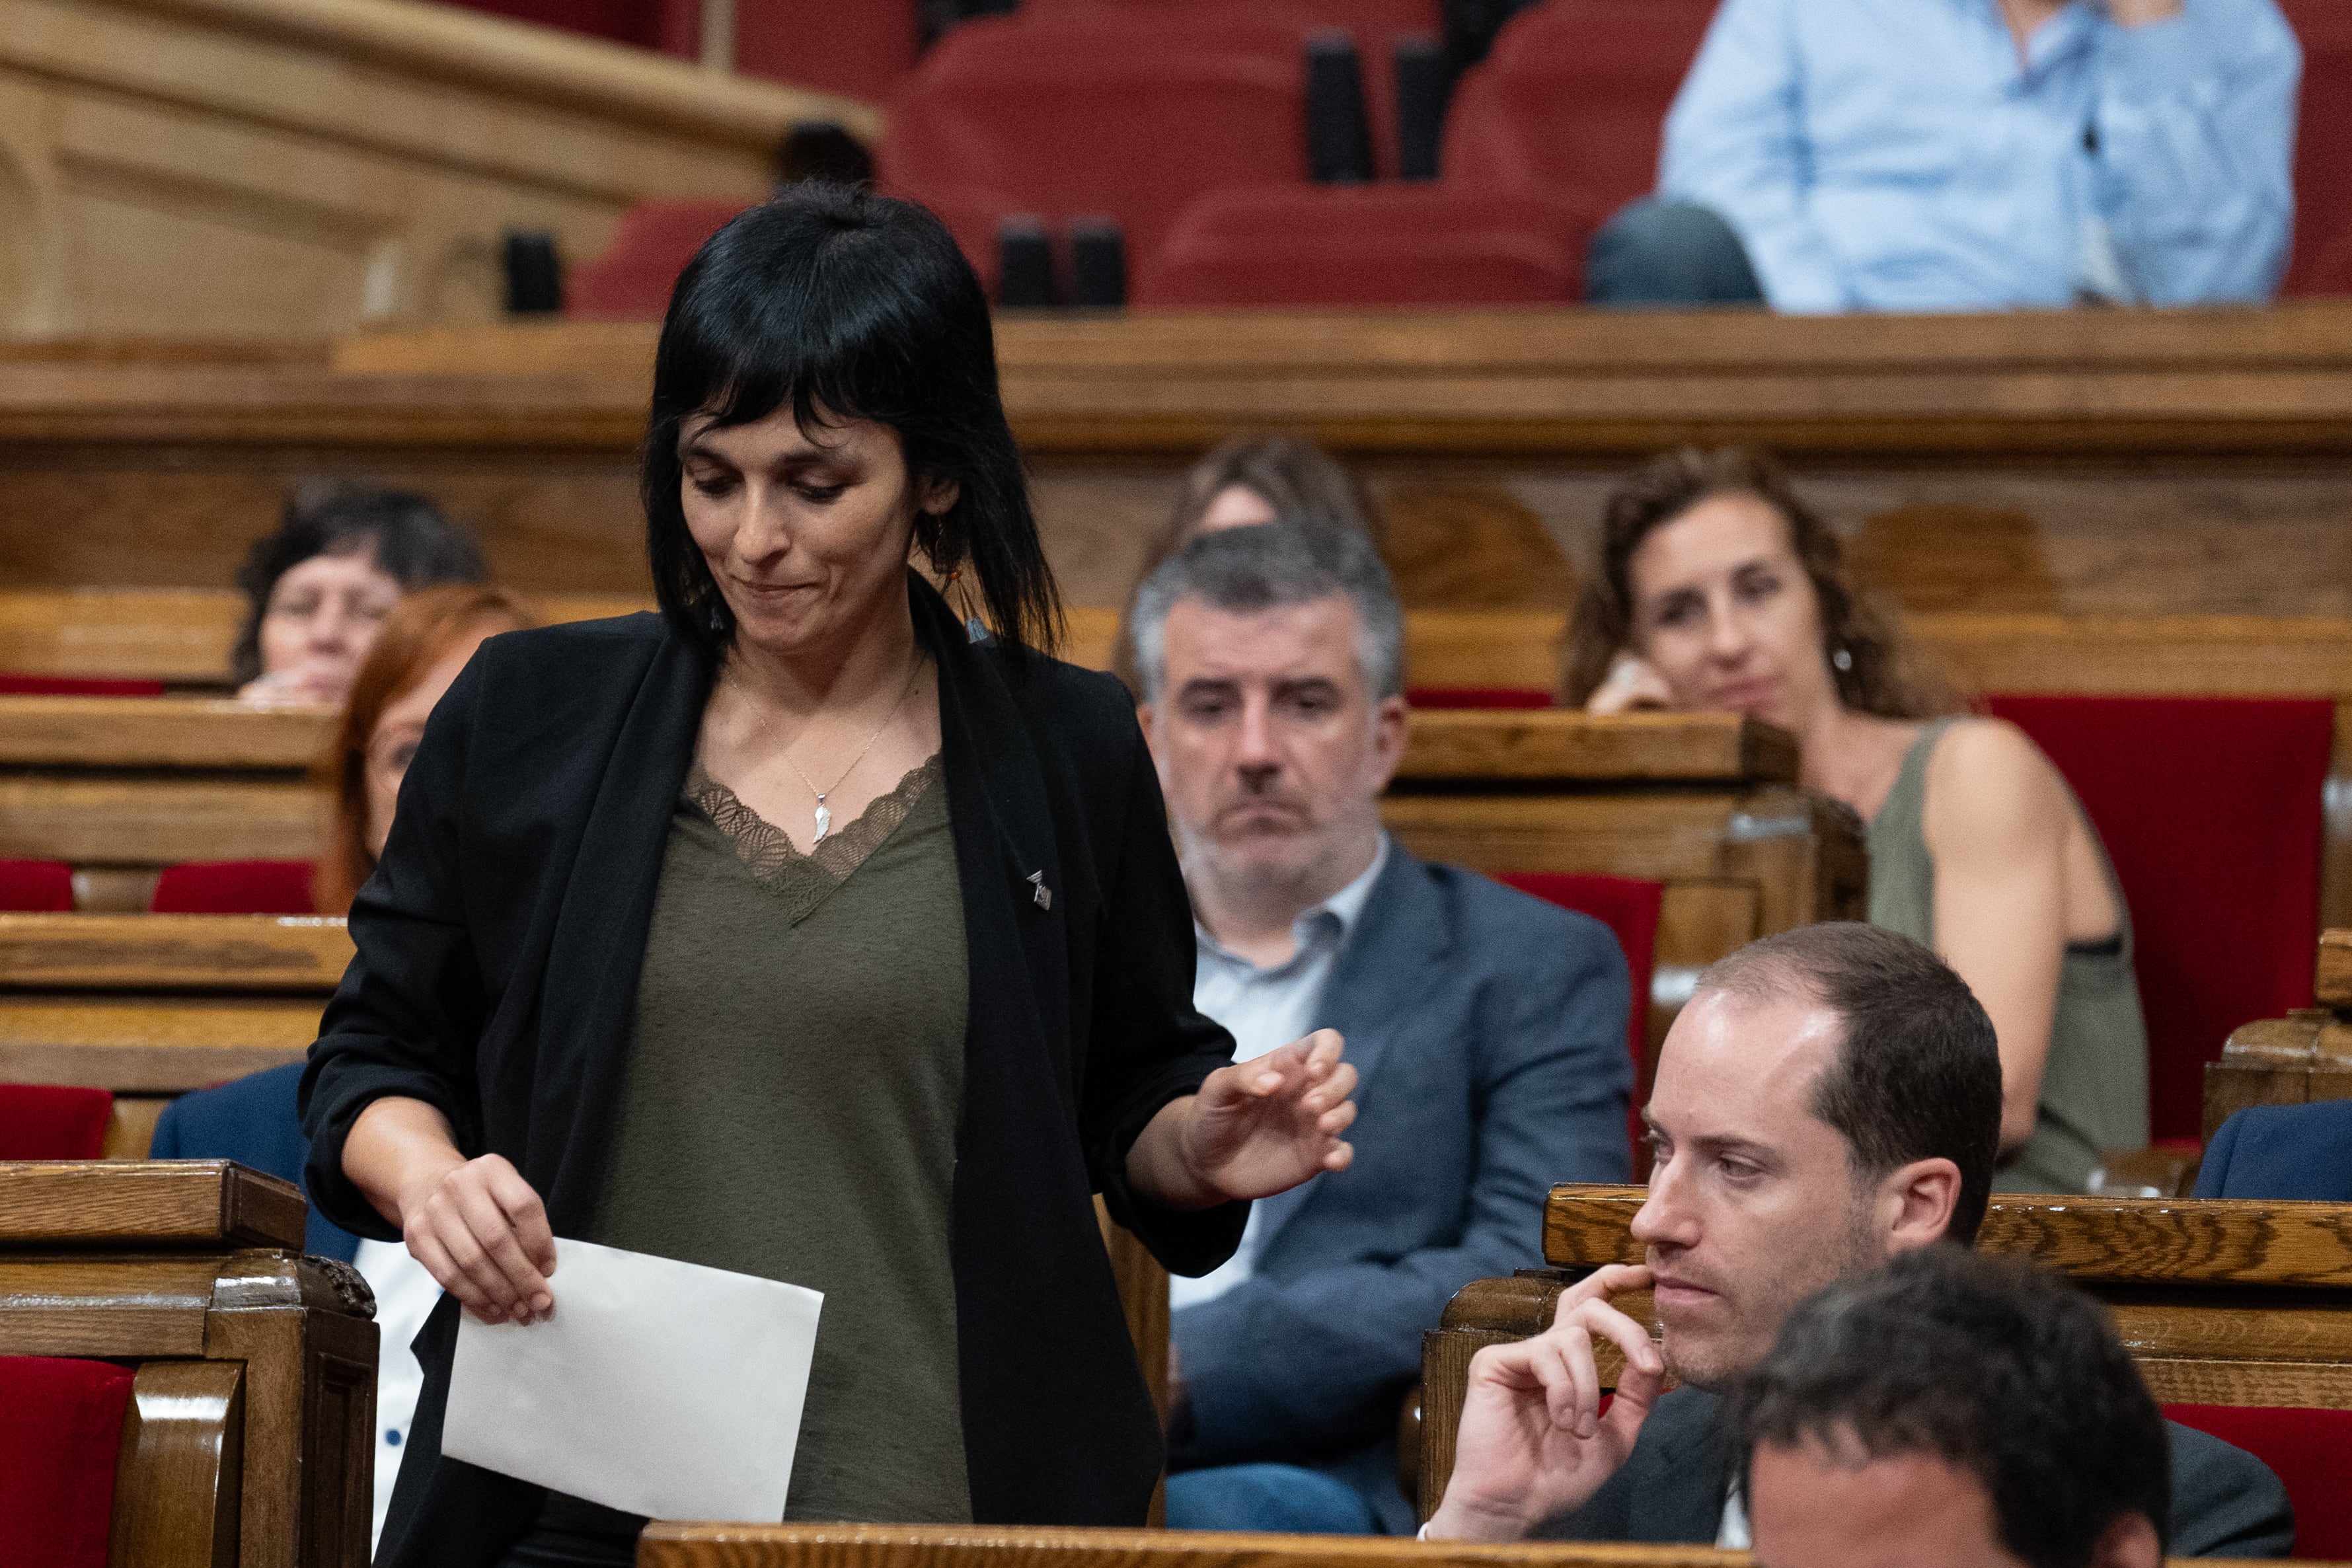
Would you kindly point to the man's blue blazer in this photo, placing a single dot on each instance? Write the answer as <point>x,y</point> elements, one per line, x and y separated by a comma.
<point>1489,1032</point>
<point>251,1120</point>
<point>2293,1153</point>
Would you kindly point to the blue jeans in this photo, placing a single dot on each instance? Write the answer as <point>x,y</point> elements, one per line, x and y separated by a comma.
<point>1268,1496</point>
<point>1658,254</point>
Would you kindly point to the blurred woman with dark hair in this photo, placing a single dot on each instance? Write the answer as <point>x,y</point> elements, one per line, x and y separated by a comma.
<point>1719,589</point>
<point>810,930</point>
<point>318,585</point>
<point>1245,480</point>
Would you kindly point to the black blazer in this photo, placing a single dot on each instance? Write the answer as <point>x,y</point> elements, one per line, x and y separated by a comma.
<point>500,943</point>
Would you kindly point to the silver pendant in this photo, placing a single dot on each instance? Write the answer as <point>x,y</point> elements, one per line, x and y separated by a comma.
<point>823,822</point>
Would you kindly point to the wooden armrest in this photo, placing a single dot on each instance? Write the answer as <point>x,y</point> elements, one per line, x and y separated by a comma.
<point>176,1485</point>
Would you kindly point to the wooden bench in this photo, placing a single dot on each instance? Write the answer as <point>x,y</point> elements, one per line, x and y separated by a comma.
<point>2304,1057</point>
<point>250,1443</point>
<point>151,1006</point>
<point>2220,1303</point>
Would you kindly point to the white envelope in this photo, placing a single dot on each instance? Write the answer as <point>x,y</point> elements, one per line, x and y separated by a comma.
<point>655,1387</point>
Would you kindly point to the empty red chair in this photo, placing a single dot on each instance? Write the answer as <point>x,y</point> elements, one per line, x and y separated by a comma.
<point>235,887</point>
<point>58,1448</point>
<point>654,240</point>
<point>1370,244</point>
<point>2210,808</point>
<point>75,686</point>
<point>2311,1453</point>
<point>35,887</point>
<point>1629,907</point>
<point>1125,116</point>
<point>2322,262</point>
<point>53,1122</point>
<point>1574,97</point>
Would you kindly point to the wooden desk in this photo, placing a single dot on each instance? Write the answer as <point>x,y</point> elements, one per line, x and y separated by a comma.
<point>2304,1057</point>
<point>254,1413</point>
<point>152,1006</point>
<point>2218,1304</point>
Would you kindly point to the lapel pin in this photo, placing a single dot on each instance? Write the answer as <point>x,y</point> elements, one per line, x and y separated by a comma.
<point>1044,895</point>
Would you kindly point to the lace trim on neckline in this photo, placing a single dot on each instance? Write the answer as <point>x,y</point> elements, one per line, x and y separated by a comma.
<point>803,878</point>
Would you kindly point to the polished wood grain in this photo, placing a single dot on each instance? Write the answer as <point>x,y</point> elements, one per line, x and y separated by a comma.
<point>2334,983</point>
<point>152,1045</point>
<point>177,1486</point>
<point>159,732</point>
<point>304,955</point>
<point>683,1545</point>
<point>2298,1060</point>
<point>1560,745</point>
<point>167,1203</point>
<point>160,819</point>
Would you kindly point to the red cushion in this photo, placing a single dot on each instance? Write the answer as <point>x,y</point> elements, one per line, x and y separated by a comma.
<point>1368,245</point>
<point>2210,809</point>
<point>1574,97</point>
<point>1629,907</point>
<point>37,887</point>
<point>860,50</point>
<point>637,22</point>
<point>652,243</point>
<point>234,887</point>
<point>75,686</point>
<point>59,1445</point>
<point>53,1122</point>
<point>2310,1450</point>
<point>2322,261</point>
<point>1477,696</point>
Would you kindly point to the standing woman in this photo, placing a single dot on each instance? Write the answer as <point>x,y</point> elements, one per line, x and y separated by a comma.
<point>1719,588</point>
<point>805,931</point>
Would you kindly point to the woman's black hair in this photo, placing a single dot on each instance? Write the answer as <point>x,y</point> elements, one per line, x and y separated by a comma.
<point>404,532</point>
<point>845,304</point>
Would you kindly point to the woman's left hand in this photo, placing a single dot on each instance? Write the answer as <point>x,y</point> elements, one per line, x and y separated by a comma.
<point>1254,1129</point>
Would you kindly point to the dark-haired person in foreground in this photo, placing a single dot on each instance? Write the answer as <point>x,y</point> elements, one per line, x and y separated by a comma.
<point>808,931</point>
<point>318,585</point>
<point>1950,1411</point>
<point>1828,1100</point>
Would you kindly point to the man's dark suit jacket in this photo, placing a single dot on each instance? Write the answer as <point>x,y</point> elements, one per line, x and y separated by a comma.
<point>251,1120</point>
<point>1489,1031</point>
<point>2225,1501</point>
<point>498,945</point>
<point>2295,1154</point>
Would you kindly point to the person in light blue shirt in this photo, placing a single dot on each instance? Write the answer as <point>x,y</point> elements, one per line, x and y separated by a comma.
<point>1971,156</point>
<point>1488,1029</point>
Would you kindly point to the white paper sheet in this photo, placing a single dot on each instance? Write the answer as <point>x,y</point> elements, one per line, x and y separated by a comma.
<point>655,1387</point>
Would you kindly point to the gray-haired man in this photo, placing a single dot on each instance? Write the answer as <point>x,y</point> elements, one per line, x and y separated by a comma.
<point>1488,1027</point>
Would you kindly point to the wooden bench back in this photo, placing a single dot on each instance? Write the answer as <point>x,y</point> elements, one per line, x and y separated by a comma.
<point>251,1435</point>
<point>2218,1304</point>
<point>2304,1057</point>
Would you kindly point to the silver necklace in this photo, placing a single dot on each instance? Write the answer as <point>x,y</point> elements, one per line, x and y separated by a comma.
<point>824,812</point>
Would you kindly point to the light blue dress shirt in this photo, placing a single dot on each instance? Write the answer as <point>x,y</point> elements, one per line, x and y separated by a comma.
<point>1265,1010</point>
<point>1895,155</point>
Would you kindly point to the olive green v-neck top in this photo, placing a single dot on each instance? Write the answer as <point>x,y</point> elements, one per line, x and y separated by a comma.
<point>2094,1082</point>
<point>790,1108</point>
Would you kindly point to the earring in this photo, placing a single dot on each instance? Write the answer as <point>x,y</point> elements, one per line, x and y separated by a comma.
<point>717,622</point>
<point>1842,660</point>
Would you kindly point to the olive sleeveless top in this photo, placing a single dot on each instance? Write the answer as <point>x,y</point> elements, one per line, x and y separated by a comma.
<point>2095,1083</point>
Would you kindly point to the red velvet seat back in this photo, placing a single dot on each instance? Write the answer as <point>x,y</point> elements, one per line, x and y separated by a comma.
<point>53,1122</point>
<point>861,50</point>
<point>2311,1452</point>
<point>60,1436</point>
<point>1574,97</point>
<point>75,686</point>
<point>2322,262</point>
<point>1368,245</point>
<point>235,887</point>
<point>35,887</point>
<point>2210,809</point>
<point>1477,696</point>
<point>654,240</point>
<point>1629,907</point>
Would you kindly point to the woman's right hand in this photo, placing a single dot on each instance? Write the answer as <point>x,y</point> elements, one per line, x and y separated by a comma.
<point>1632,685</point>
<point>478,1228</point>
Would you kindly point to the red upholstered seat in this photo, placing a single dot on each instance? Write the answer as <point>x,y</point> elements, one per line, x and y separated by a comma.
<point>1574,97</point>
<point>1128,113</point>
<point>860,50</point>
<point>59,1439</point>
<point>2211,810</point>
<point>2322,262</point>
<point>35,887</point>
<point>2310,1450</point>
<point>1370,244</point>
<point>651,246</point>
<point>1629,907</point>
<point>52,1122</point>
<point>1477,697</point>
<point>235,887</point>
<point>75,686</point>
